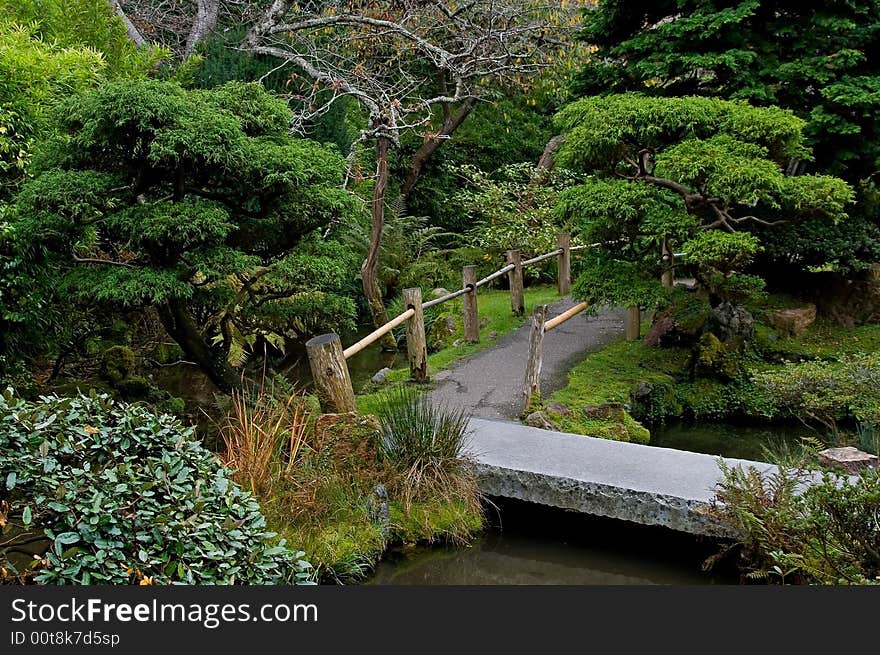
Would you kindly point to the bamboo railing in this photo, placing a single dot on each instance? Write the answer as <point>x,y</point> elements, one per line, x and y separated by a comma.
<point>327,358</point>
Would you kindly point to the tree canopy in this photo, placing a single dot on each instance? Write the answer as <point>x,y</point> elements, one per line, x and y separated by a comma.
<point>819,59</point>
<point>197,203</point>
<point>669,168</point>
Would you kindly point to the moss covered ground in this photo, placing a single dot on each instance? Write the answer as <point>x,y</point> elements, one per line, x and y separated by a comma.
<point>655,384</point>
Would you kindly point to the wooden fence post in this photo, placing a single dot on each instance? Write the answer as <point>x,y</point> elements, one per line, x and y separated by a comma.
<point>633,327</point>
<point>515,276</point>
<point>667,278</point>
<point>469,305</point>
<point>416,343</point>
<point>563,263</point>
<point>532,382</point>
<point>330,373</point>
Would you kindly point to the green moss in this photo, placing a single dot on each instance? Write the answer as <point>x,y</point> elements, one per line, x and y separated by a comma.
<point>344,544</point>
<point>714,358</point>
<point>626,429</point>
<point>117,363</point>
<point>438,521</point>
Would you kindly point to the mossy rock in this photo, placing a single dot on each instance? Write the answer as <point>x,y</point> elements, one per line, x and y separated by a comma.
<point>118,363</point>
<point>716,358</point>
<point>349,440</point>
<point>134,387</point>
<point>622,428</point>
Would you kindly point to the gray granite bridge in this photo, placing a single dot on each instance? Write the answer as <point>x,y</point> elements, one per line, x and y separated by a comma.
<point>632,482</point>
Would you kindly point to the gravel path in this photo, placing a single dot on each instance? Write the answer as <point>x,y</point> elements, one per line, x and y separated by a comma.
<point>488,383</point>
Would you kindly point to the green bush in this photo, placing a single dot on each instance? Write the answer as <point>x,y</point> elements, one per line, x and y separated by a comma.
<point>826,534</point>
<point>124,496</point>
<point>826,392</point>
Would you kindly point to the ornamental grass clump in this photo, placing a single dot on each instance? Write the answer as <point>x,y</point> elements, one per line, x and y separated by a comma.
<point>264,437</point>
<point>101,492</point>
<point>425,445</point>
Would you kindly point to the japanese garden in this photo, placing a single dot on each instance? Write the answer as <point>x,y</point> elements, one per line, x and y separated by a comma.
<point>436,292</point>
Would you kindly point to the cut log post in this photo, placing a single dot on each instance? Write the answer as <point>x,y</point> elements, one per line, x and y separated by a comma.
<point>633,323</point>
<point>563,263</point>
<point>515,276</point>
<point>330,373</point>
<point>416,343</point>
<point>470,316</point>
<point>532,382</point>
<point>667,278</point>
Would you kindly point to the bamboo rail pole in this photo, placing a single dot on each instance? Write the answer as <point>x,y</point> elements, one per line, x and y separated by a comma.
<point>442,299</point>
<point>540,258</point>
<point>564,316</point>
<point>374,336</point>
<point>496,274</point>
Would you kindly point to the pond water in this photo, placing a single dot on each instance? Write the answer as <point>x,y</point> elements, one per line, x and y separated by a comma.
<point>729,440</point>
<point>533,545</point>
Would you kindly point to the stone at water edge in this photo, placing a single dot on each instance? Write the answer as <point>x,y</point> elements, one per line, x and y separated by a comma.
<point>380,375</point>
<point>850,459</point>
<point>439,292</point>
<point>492,334</point>
<point>540,420</point>
<point>793,322</point>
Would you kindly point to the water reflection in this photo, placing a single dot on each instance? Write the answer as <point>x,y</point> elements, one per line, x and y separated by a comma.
<point>535,545</point>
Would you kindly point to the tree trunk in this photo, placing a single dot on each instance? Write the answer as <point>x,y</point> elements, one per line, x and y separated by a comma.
<point>203,24</point>
<point>133,32</point>
<point>370,267</point>
<point>180,326</point>
<point>429,147</point>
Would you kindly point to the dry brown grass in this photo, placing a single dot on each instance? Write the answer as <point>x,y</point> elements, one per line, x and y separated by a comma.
<point>264,438</point>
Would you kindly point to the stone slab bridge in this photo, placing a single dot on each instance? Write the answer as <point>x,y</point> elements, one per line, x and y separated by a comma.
<point>631,482</point>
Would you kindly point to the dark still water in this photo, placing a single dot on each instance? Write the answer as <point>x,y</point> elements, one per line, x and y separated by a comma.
<point>534,545</point>
<point>729,440</point>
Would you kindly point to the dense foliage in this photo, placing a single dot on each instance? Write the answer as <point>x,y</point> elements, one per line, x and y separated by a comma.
<point>672,168</point>
<point>827,392</point>
<point>819,59</point>
<point>125,496</point>
<point>197,203</point>
<point>825,534</point>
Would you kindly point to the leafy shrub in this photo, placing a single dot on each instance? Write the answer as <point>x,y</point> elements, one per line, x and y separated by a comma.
<point>827,392</point>
<point>123,495</point>
<point>827,533</point>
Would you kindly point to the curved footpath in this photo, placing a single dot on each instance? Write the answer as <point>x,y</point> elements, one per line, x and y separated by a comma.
<point>488,384</point>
